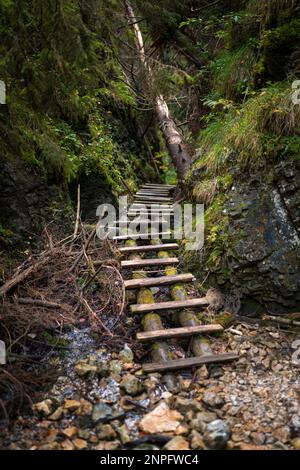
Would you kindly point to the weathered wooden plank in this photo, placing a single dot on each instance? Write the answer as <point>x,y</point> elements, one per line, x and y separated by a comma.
<point>158,281</point>
<point>139,221</point>
<point>190,362</point>
<point>154,192</point>
<point>143,236</point>
<point>154,207</point>
<point>173,305</point>
<point>146,248</point>
<point>179,332</point>
<point>156,185</point>
<point>153,199</point>
<point>149,262</point>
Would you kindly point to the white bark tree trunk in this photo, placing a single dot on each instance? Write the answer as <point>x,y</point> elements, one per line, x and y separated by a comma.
<point>173,138</point>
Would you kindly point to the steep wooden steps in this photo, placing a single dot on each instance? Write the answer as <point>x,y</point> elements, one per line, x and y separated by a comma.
<point>179,332</point>
<point>173,305</point>
<point>147,248</point>
<point>142,236</point>
<point>158,281</point>
<point>149,262</point>
<point>189,362</point>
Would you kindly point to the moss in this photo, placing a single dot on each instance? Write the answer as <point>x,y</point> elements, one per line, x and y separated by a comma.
<point>188,318</point>
<point>160,352</point>
<point>131,296</point>
<point>225,319</point>
<point>201,346</point>
<point>171,271</point>
<point>139,275</point>
<point>152,322</point>
<point>5,235</point>
<point>145,296</point>
<point>178,292</point>
<point>130,243</point>
<point>163,254</point>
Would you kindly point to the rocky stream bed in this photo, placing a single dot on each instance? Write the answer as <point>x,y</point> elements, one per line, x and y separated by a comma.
<point>103,401</point>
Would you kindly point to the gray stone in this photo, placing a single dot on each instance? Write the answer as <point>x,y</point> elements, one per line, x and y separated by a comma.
<point>216,435</point>
<point>132,385</point>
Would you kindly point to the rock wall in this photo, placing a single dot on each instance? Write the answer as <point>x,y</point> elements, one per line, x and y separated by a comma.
<point>28,202</point>
<point>260,264</point>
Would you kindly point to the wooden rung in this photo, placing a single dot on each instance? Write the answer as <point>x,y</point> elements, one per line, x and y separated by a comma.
<point>179,332</point>
<point>150,194</point>
<point>143,236</point>
<point>190,362</point>
<point>149,262</point>
<point>146,248</point>
<point>155,185</point>
<point>153,199</point>
<point>153,207</point>
<point>154,191</point>
<point>147,222</point>
<point>173,305</point>
<point>158,281</point>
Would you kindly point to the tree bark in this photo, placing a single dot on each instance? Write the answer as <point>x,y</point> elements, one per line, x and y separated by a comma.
<point>172,135</point>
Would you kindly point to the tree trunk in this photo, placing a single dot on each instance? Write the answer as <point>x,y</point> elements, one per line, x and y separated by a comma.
<point>174,141</point>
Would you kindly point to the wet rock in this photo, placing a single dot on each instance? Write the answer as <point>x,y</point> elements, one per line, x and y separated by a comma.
<point>282,434</point>
<point>106,432</point>
<point>296,443</point>
<point>80,444</point>
<point>177,443</point>
<point>44,408</point>
<point>57,414</point>
<point>258,438</point>
<point>84,434</point>
<point>123,434</point>
<point>69,432</point>
<point>104,412</point>
<point>103,369</point>
<point>160,420</point>
<point>213,400</point>
<point>295,424</point>
<point>201,421</point>
<point>114,445</point>
<point>115,367</point>
<point>83,369</point>
<point>132,385</point>
<point>67,445</point>
<point>216,435</point>
<point>51,446</point>
<point>196,441</point>
<point>146,447</point>
<point>126,356</point>
<point>71,405</point>
<point>184,405</point>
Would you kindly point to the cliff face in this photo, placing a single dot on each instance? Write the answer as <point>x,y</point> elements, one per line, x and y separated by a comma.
<point>258,264</point>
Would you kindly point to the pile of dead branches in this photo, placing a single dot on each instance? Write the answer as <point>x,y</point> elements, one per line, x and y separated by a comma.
<point>75,281</point>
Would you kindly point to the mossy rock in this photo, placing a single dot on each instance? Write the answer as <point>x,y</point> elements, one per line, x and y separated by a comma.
<point>152,322</point>
<point>145,296</point>
<point>171,271</point>
<point>178,293</point>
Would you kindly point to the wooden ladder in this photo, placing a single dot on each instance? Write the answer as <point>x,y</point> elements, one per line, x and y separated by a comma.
<point>158,200</point>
